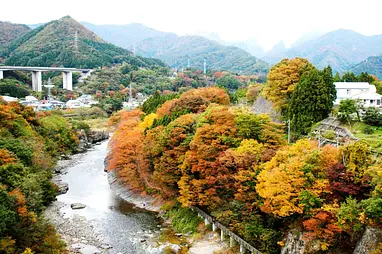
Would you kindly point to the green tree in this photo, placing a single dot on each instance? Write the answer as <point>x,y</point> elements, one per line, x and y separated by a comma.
<point>327,74</point>
<point>228,81</point>
<point>14,88</point>
<point>346,109</point>
<point>373,116</point>
<point>349,77</point>
<point>312,101</point>
<point>337,77</point>
<point>365,77</point>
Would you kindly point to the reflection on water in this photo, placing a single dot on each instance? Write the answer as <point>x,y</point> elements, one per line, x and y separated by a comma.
<point>120,224</point>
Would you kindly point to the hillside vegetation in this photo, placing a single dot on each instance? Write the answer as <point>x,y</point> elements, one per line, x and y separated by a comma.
<point>372,65</point>
<point>239,167</point>
<point>30,145</point>
<point>55,44</point>
<point>10,31</point>
<point>176,50</point>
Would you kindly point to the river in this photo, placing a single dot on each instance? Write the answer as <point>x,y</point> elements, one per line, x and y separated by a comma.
<point>107,224</point>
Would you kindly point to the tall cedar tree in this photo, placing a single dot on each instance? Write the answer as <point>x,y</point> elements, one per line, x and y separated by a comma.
<point>312,100</point>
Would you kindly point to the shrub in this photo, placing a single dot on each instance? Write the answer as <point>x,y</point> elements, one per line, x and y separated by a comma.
<point>373,116</point>
<point>329,135</point>
<point>368,130</point>
<point>184,220</point>
<point>13,88</point>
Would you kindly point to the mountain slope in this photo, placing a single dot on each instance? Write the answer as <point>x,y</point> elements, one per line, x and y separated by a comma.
<point>10,31</point>
<point>372,65</point>
<point>251,46</point>
<point>341,49</point>
<point>124,35</point>
<point>176,50</point>
<point>65,42</point>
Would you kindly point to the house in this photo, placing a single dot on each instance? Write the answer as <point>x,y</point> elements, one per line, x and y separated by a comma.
<point>362,91</point>
<point>8,98</point>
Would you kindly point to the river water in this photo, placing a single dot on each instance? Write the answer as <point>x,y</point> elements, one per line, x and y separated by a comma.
<point>122,226</point>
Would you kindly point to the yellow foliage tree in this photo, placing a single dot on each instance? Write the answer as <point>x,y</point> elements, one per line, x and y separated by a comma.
<point>283,78</point>
<point>295,173</point>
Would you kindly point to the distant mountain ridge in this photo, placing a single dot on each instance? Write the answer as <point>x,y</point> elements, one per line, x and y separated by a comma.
<point>372,65</point>
<point>10,31</point>
<point>341,49</point>
<point>124,35</point>
<point>178,50</point>
<point>65,42</point>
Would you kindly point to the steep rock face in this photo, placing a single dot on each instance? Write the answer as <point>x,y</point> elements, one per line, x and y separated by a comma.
<point>370,238</point>
<point>263,106</point>
<point>294,243</point>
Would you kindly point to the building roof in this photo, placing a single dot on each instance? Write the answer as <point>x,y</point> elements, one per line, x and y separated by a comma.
<point>352,85</point>
<point>8,98</point>
<point>367,96</point>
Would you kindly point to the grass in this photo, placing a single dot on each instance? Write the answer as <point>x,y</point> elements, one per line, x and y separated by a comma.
<point>374,139</point>
<point>98,123</point>
<point>184,220</point>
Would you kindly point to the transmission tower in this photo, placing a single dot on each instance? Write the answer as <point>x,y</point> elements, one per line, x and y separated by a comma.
<point>76,43</point>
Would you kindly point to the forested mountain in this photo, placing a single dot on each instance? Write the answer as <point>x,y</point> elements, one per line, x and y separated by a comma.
<point>177,50</point>
<point>372,65</point>
<point>65,42</point>
<point>124,35</point>
<point>10,31</point>
<point>341,49</point>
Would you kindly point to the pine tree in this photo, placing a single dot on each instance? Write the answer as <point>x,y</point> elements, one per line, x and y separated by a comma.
<point>337,77</point>
<point>311,102</point>
<point>329,81</point>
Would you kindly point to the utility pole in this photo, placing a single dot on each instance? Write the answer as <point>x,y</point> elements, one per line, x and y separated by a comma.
<point>130,93</point>
<point>288,131</point>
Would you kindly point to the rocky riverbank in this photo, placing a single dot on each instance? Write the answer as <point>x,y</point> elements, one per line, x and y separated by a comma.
<point>144,202</point>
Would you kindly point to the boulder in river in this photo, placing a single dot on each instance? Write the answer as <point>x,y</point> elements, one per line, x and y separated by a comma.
<point>77,206</point>
<point>62,187</point>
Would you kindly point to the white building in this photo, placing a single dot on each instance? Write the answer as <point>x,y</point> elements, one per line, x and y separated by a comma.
<point>8,98</point>
<point>362,91</point>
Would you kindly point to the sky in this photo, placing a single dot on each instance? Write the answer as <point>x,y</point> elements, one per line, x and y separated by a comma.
<point>266,21</point>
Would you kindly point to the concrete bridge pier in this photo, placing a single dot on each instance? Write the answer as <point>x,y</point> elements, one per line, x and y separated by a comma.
<point>206,222</point>
<point>221,235</point>
<point>231,242</point>
<point>36,81</point>
<point>67,80</point>
<point>242,250</point>
<point>213,227</point>
<point>1,74</point>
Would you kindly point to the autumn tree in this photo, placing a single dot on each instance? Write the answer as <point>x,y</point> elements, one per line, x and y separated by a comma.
<point>293,181</point>
<point>282,80</point>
